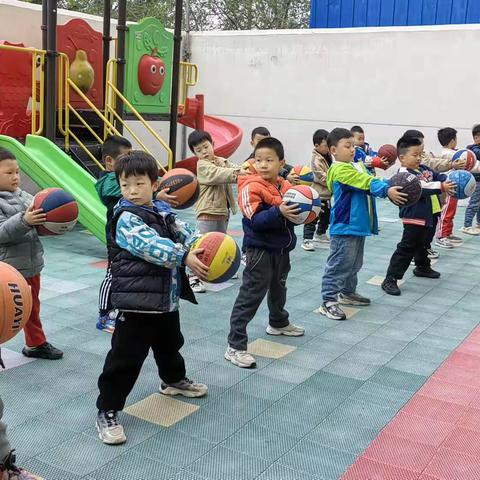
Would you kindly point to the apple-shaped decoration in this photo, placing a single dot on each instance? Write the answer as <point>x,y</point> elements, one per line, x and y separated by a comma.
<point>151,73</point>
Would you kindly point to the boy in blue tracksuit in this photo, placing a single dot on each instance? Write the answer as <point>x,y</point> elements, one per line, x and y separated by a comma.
<point>148,254</point>
<point>418,219</point>
<point>353,217</point>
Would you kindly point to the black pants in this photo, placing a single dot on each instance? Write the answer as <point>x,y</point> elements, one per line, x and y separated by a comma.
<point>320,224</point>
<point>134,335</point>
<point>413,245</point>
<point>265,274</point>
<point>431,230</point>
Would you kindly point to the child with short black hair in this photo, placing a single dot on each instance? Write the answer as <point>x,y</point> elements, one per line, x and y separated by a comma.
<point>268,238</point>
<point>258,133</point>
<point>149,251</point>
<point>315,233</point>
<point>22,249</point>
<point>353,218</point>
<point>418,219</point>
<point>473,208</point>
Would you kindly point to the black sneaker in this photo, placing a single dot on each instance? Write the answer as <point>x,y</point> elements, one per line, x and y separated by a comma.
<point>332,311</point>
<point>389,285</point>
<point>45,351</point>
<point>426,272</point>
<point>354,299</point>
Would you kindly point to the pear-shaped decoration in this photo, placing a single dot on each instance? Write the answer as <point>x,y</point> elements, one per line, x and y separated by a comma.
<point>81,72</point>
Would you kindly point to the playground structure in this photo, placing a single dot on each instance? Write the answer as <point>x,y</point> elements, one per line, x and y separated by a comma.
<point>59,103</point>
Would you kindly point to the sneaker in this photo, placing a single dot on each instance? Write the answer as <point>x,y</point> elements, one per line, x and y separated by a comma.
<point>354,299</point>
<point>389,285</point>
<point>240,358</point>
<point>432,255</point>
<point>455,240</point>
<point>427,272</point>
<point>106,323</point>
<point>185,387</point>
<point>332,311</point>
<point>308,245</point>
<point>108,428</point>
<point>443,243</point>
<point>243,260</point>
<point>322,239</point>
<point>45,351</point>
<point>197,285</point>
<point>9,471</point>
<point>470,230</point>
<point>290,330</point>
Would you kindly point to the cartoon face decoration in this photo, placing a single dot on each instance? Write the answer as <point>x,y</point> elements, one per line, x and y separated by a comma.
<point>151,74</point>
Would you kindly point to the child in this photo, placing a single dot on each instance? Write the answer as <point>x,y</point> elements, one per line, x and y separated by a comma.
<point>21,248</point>
<point>418,219</point>
<point>109,192</point>
<point>258,133</point>
<point>448,139</point>
<point>269,237</point>
<point>363,151</point>
<point>353,218</point>
<point>319,164</point>
<point>473,208</point>
<point>216,201</point>
<point>149,250</point>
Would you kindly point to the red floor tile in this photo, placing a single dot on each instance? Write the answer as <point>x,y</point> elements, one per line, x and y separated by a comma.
<point>450,465</point>
<point>396,451</point>
<point>411,427</point>
<point>471,420</point>
<point>433,409</point>
<point>475,403</point>
<point>448,392</point>
<point>458,375</point>
<point>464,441</point>
<point>474,336</point>
<point>464,360</point>
<point>428,477</point>
<point>472,348</point>
<point>366,469</point>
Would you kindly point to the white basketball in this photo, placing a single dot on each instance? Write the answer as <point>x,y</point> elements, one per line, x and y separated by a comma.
<point>308,201</point>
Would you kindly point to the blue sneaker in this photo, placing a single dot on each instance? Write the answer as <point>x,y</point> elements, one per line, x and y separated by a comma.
<point>106,323</point>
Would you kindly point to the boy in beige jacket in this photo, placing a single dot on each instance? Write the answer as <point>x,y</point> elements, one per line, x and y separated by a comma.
<point>216,200</point>
<point>315,233</point>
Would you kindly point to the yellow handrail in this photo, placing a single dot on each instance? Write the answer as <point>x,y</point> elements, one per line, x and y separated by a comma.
<point>40,55</point>
<point>188,78</point>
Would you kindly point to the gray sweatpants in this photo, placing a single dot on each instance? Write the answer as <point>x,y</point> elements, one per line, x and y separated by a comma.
<point>4,445</point>
<point>265,274</point>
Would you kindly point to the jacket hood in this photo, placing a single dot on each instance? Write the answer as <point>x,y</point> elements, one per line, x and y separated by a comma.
<point>162,207</point>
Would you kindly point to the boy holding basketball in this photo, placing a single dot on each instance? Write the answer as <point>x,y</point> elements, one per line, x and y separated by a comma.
<point>149,251</point>
<point>268,238</point>
<point>21,248</point>
<point>353,218</point>
<point>418,219</point>
<point>473,208</point>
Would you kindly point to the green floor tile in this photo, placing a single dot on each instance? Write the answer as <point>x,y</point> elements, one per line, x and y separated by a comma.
<point>280,472</point>
<point>46,471</point>
<point>334,384</point>
<point>383,344</point>
<point>375,393</point>
<point>414,365</point>
<point>261,386</point>
<point>281,370</point>
<point>351,368</point>
<point>367,355</point>
<point>399,379</point>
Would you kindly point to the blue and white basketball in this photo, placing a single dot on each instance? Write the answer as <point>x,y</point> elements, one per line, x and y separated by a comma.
<point>465,182</point>
<point>467,155</point>
<point>308,201</point>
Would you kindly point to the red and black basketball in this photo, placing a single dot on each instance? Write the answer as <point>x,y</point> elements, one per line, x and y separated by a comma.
<point>410,185</point>
<point>183,184</point>
<point>389,152</point>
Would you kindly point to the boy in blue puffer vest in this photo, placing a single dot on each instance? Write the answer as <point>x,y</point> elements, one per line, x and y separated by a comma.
<point>149,251</point>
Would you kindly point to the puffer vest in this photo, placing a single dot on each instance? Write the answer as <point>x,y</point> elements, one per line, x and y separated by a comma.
<point>138,285</point>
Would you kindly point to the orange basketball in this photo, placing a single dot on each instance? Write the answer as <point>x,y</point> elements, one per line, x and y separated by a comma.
<point>15,302</point>
<point>183,184</point>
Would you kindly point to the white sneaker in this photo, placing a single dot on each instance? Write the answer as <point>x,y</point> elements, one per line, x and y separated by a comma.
<point>456,241</point>
<point>185,387</point>
<point>470,230</point>
<point>240,358</point>
<point>323,238</point>
<point>290,330</point>
<point>108,428</point>
<point>443,243</point>
<point>308,246</point>
<point>197,285</point>
<point>432,255</point>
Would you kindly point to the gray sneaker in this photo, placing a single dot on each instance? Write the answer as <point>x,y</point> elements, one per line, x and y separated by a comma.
<point>185,387</point>
<point>290,330</point>
<point>240,358</point>
<point>108,428</point>
<point>331,310</point>
<point>354,299</point>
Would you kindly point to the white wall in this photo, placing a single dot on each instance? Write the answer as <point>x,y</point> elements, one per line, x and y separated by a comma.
<point>385,79</point>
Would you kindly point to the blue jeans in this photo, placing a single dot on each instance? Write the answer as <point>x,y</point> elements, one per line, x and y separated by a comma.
<point>343,264</point>
<point>473,207</point>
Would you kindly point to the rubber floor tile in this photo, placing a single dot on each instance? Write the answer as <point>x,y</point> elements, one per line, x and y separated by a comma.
<point>464,441</point>
<point>464,360</point>
<point>367,469</point>
<point>269,349</point>
<point>471,420</point>
<point>280,472</point>
<point>434,409</point>
<point>472,348</point>
<point>448,392</point>
<point>457,375</point>
<point>399,452</point>
<point>398,379</point>
<point>450,465</point>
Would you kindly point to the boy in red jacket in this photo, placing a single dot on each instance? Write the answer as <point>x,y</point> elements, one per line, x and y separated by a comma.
<point>268,238</point>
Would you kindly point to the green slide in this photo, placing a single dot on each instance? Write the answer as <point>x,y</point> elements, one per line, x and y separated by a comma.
<point>49,166</point>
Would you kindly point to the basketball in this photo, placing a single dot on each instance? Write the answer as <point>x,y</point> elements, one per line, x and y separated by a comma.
<point>61,209</point>
<point>221,254</point>
<point>465,182</point>
<point>249,165</point>
<point>410,185</point>
<point>389,152</point>
<point>183,184</point>
<point>308,202</point>
<point>15,302</point>
<point>305,175</point>
<point>467,155</point>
